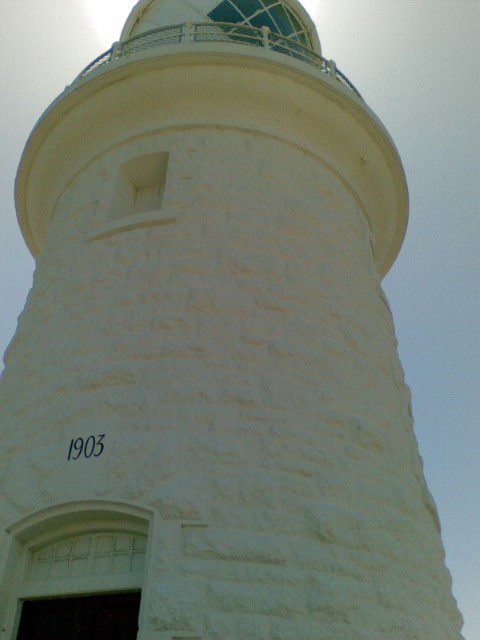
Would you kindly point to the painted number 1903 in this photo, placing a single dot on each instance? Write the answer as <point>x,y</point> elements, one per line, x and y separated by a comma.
<point>91,446</point>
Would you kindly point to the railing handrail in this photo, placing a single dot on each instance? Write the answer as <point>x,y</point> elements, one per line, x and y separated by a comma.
<point>221,32</point>
<point>92,65</point>
<point>150,32</point>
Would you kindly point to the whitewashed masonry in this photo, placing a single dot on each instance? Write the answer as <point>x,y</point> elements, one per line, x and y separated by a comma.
<point>211,222</point>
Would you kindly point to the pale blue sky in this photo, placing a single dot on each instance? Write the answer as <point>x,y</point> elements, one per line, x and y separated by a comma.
<point>417,64</point>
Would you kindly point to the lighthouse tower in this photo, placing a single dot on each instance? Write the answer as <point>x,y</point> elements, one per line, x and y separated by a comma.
<point>205,429</point>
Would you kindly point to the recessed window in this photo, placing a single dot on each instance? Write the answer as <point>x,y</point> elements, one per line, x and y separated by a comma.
<point>140,185</point>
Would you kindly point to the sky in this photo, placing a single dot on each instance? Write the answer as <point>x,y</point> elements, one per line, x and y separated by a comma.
<point>417,64</point>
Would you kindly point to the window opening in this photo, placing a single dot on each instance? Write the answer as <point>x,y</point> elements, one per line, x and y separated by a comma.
<point>140,185</point>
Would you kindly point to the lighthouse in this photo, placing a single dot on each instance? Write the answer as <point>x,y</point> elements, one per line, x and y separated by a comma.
<point>206,433</point>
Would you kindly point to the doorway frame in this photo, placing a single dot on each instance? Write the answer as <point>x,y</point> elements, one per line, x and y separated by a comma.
<point>54,524</point>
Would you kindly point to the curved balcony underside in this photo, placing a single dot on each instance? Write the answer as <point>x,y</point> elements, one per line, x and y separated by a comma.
<point>216,75</point>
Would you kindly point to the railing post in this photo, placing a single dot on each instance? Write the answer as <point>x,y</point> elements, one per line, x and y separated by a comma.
<point>332,69</point>
<point>266,37</point>
<point>115,51</point>
<point>188,33</point>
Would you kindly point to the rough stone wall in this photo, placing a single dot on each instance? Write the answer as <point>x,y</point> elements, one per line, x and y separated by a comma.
<point>241,361</point>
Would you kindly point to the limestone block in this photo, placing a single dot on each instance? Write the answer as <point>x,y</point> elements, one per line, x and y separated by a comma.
<point>241,362</point>
<point>235,546</point>
<point>175,607</point>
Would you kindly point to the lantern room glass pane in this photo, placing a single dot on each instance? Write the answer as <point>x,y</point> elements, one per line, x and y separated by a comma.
<point>249,7</point>
<point>274,14</point>
<point>280,16</point>
<point>225,12</point>
<point>263,20</point>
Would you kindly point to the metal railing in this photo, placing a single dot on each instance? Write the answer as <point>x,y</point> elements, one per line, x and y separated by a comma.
<point>219,32</point>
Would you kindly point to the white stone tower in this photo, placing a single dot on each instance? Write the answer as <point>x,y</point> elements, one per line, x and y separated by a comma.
<point>203,417</point>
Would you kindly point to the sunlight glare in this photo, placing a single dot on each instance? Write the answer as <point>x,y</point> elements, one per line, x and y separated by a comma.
<point>312,7</point>
<point>108,17</point>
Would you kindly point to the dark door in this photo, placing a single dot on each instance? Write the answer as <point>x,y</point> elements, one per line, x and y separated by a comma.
<point>105,617</point>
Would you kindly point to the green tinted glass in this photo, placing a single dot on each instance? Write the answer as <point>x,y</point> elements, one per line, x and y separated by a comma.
<point>249,7</point>
<point>277,15</point>
<point>280,16</point>
<point>263,20</point>
<point>225,12</point>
